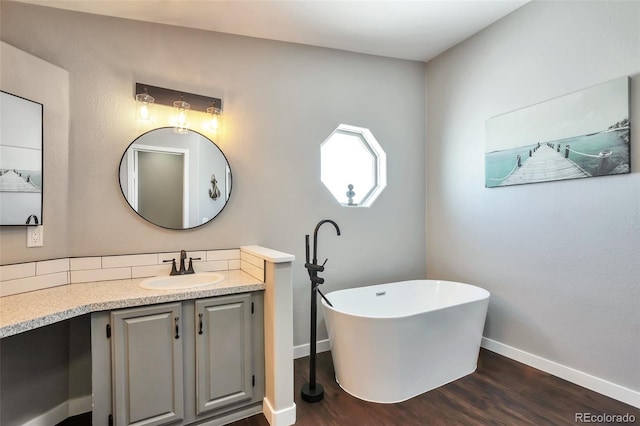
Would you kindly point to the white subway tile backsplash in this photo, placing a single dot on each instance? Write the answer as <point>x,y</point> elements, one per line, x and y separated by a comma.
<point>17,271</point>
<point>31,276</point>
<point>223,254</point>
<point>254,260</point>
<point>82,263</point>
<point>23,285</point>
<point>168,256</point>
<point>129,260</point>
<point>100,275</point>
<point>201,254</point>
<point>52,266</point>
<point>150,271</point>
<point>216,265</point>
<point>252,270</point>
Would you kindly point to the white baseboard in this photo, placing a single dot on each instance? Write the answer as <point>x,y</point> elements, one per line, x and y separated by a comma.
<point>596,384</point>
<point>80,405</point>
<point>304,350</point>
<point>69,408</point>
<point>51,417</point>
<point>284,417</point>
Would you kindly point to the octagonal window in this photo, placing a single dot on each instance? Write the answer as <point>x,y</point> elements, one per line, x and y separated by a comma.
<point>353,166</point>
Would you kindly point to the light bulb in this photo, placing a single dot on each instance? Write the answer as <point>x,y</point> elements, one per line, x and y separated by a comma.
<point>182,119</point>
<point>144,112</point>
<point>144,102</point>
<point>212,121</point>
<point>181,110</point>
<point>213,124</point>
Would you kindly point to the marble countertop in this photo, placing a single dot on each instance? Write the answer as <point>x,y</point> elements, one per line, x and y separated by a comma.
<point>26,311</point>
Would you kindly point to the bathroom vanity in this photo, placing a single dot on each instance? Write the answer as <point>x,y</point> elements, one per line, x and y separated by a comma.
<point>206,355</point>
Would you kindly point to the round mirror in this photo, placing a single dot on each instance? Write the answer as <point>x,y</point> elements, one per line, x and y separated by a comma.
<point>177,181</point>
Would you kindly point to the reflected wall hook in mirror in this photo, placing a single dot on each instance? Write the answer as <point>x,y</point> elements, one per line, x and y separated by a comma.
<point>214,192</point>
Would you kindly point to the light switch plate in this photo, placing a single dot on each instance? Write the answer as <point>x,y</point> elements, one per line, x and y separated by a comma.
<point>35,236</point>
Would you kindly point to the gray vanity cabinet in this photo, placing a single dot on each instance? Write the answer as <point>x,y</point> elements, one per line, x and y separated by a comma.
<point>179,363</point>
<point>223,352</point>
<point>147,365</point>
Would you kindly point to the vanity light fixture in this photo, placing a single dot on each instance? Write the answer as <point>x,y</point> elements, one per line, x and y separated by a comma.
<point>143,105</point>
<point>183,104</point>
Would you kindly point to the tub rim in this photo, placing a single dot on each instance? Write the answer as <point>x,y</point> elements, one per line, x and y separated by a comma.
<point>486,296</point>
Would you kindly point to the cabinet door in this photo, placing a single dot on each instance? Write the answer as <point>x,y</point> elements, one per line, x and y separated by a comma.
<point>223,351</point>
<point>147,365</point>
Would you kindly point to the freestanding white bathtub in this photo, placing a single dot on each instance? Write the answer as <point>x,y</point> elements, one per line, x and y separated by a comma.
<point>391,342</point>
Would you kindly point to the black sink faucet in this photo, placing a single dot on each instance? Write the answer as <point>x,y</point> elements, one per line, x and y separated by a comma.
<point>183,270</point>
<point>183,256</point>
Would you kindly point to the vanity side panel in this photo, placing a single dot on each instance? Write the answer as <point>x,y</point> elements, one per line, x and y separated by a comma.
<point>100,368</point>
<point>258,345</point>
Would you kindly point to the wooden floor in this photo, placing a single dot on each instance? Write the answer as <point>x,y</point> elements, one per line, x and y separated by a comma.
<point>500,392</point>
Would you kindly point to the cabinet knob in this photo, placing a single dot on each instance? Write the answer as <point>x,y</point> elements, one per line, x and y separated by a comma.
<point>177,319</point>
<point>200,327</point>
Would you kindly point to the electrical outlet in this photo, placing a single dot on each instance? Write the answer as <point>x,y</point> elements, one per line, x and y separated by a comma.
<point>35,236</point>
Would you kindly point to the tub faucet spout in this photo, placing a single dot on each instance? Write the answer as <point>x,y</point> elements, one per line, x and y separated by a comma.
<point>315,238</point>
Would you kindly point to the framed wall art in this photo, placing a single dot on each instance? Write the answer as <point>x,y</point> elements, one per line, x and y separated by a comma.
<point>579,135</point>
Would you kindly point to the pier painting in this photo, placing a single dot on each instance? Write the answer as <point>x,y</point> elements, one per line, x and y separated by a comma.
<point>20,160</point>
<point>583,134</point>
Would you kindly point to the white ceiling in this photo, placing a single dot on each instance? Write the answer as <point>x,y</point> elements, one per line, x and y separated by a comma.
<point>406,29</point>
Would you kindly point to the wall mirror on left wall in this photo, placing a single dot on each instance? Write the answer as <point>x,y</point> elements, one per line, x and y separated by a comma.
<point>20,161</point>
<point>176,181</point>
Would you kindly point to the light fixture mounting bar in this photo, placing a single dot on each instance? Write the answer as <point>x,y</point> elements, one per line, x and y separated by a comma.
<point>167,97</point>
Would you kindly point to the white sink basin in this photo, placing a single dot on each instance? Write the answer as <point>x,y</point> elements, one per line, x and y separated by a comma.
<point>177,282</point>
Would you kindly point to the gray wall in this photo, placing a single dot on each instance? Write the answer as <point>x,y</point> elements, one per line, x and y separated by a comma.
<point>560,259</point>
<point>34,366</point>
<point>27,76</point>
<point>280,102</point>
